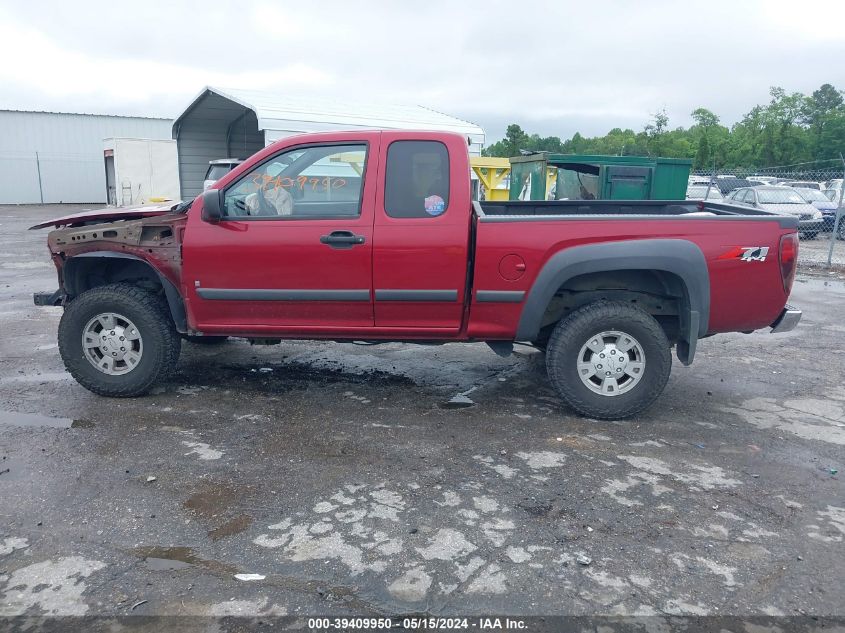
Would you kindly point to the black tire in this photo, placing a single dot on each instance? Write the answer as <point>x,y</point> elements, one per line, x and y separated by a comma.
<point>575,330</point>
<point>840,233</point>
<point>205,340</point>
<point>149,313</point>
<point>811,235</point>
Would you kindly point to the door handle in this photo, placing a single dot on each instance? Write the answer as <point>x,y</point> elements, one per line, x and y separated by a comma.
<point>342,239</point>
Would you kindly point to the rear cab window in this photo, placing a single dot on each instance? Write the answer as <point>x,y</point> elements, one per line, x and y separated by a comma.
<point>416,179</point>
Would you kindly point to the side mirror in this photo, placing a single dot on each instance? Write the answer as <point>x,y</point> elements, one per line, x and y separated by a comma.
<point>212,207</point>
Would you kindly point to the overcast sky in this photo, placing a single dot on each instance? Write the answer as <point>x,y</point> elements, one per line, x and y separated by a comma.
<point>554,67</point>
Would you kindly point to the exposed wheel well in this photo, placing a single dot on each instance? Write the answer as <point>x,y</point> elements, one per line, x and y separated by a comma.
<point>659,293</point>
<point>84,273</point>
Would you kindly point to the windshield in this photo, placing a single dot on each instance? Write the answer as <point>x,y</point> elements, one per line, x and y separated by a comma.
<point>773,196</point>
<point>699,191</point>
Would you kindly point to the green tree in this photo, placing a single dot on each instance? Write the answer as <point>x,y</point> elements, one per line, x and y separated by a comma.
<point>791,128</point>
<point>824,112</point>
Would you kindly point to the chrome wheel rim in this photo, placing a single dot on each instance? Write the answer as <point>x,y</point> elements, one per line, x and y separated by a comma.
<point>112,343</point>
<point>611,363</point>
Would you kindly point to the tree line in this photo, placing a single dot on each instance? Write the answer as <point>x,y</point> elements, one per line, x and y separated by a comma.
<point>791,128</point>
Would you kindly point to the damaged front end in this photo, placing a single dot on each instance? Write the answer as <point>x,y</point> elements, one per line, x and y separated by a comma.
<point>145,250</point>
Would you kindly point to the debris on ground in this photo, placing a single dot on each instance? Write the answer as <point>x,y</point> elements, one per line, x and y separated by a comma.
<point>460,401</point>
<point>583,560</point>
<point>247,577</point>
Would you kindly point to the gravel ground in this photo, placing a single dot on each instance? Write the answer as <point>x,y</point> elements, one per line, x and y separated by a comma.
<point>344,478</point>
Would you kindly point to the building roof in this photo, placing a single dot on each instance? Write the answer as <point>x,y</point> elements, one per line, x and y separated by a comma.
<point>275,111</point>
<point>98,114</point>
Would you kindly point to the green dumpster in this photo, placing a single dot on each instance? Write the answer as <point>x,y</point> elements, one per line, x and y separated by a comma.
<point>591,177</point>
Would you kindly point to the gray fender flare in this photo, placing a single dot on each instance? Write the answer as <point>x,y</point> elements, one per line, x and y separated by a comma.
<point>174,299</point>
<point>680,257</point>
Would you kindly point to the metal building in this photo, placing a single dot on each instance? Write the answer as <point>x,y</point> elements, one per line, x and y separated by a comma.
<point>231,123</point>
<point>48,157</point>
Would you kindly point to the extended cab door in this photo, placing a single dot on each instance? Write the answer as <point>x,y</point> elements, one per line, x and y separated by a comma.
<point>294,248</point>
<point>421,233</point>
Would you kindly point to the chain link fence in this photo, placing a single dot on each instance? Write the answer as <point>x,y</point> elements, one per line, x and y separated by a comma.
<point>813,191</point>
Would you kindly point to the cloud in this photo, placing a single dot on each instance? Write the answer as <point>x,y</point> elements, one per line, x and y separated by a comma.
<point>554,67</point>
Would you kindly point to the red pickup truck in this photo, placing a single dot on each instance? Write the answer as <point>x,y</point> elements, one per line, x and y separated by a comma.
<point>374,235</point>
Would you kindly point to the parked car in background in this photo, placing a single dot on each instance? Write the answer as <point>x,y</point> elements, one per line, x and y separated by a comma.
<point>833,190</point>
<point>801,184</point>
<point>763,180</point>
<point>822,203</point>
<point>731,183</point>
<point>219,168</point>
<point>704,192</point>
<point>782,200</point>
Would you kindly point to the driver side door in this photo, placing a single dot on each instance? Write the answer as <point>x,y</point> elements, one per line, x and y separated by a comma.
<point>294,247</point>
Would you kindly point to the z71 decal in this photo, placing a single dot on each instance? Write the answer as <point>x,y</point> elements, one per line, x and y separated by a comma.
<point>747,253</point>
<point>754,253</point>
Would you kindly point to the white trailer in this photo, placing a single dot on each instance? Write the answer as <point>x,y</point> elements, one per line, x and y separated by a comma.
<point>140,171</point>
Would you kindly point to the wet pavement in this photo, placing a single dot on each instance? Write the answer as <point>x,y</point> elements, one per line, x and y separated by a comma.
<point>399,479</point>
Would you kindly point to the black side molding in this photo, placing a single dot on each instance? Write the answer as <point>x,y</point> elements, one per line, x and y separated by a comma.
<point>416,295</point>
<point>499,296</point>
<point>260,294</point>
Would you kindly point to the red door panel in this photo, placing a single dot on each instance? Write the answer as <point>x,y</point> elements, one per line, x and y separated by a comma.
<point>420,263</point>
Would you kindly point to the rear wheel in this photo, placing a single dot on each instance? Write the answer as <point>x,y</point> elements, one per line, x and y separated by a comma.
<point>118,340</point>
<point>811,235</point>
<point>608,360</point>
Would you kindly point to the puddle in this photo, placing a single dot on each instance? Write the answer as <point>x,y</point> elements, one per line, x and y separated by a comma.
<point>458,402</point>
<point>12,418</point>
<point>165,564</point>
<point>158,558</point>
<point>213,499</point>
<point>231,527</point>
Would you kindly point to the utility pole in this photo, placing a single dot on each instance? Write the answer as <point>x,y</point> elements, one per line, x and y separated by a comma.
<point>710,184</point>
<point>38,167</point>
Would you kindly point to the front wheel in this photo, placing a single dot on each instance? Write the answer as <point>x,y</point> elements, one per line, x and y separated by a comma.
<point>609,360</point>
<point>810,235</point>
<point>118,340</point>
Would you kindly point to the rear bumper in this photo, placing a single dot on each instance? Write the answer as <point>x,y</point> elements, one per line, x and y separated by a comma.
<point>48,298</point>
<point>787,320</point>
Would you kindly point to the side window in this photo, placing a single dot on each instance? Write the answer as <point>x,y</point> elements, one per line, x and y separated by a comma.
<point>749,196</point>
<point>311,182</point>
<point>416,179</point>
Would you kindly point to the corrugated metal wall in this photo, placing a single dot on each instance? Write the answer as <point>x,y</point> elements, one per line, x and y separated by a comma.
<point>69,151</point>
